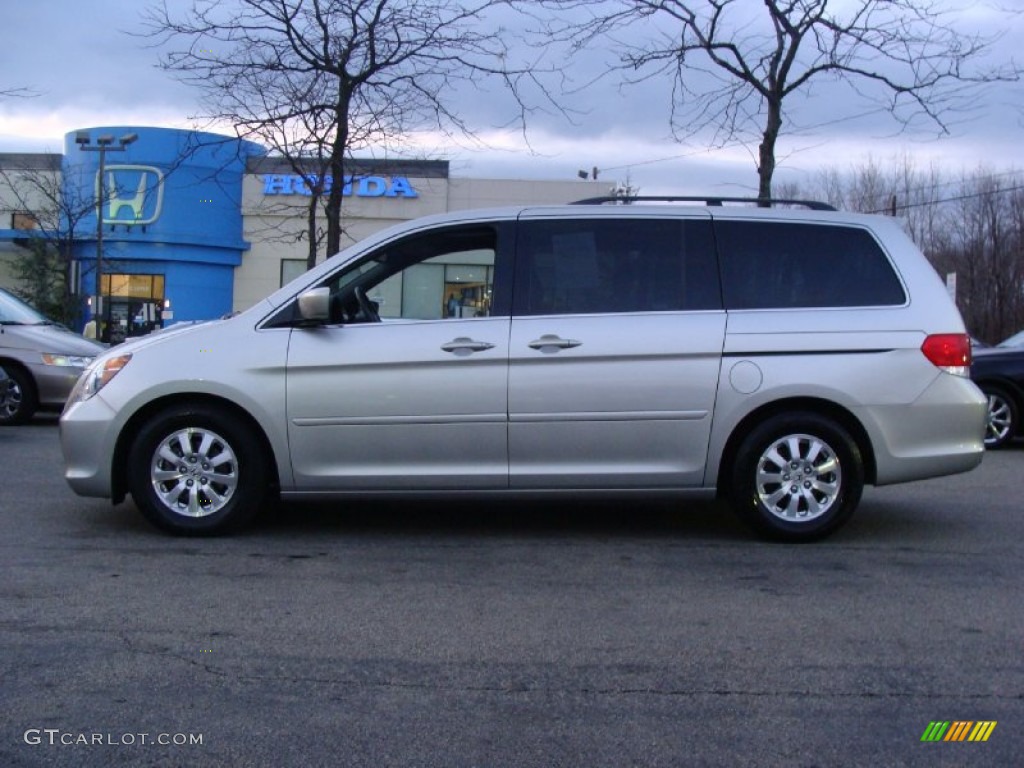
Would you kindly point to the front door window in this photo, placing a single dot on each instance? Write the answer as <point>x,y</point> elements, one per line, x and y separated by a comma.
<point>441,275</point>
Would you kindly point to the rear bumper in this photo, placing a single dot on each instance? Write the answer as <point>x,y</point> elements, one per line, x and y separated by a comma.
<point>940,433</point>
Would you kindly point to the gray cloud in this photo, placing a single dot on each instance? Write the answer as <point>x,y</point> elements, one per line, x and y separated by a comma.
<point>87,70</point>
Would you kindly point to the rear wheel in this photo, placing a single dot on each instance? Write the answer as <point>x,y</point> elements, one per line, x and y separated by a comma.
<point>17,397</point>
<point>797,477</point>
<point>197,471</point>
<point>1002,417</point>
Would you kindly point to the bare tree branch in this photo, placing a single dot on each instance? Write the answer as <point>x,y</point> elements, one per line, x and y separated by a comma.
<point>57,210</point>
<point>320,80</point>
<point>733,65</point>
<point>17,93</point>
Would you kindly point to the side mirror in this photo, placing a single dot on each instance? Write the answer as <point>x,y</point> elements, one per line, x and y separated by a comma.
<point>314,305</point>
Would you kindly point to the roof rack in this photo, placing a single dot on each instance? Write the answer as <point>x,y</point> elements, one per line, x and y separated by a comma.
<point>813,205</point>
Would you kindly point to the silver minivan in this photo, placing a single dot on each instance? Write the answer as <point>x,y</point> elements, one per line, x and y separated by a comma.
<point>780,358</point>
<point>40,361</point>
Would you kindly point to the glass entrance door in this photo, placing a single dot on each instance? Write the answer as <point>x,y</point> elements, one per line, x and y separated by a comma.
<point>133,306</point>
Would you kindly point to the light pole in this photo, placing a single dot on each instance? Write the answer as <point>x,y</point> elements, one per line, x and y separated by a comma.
<point>104,144</point>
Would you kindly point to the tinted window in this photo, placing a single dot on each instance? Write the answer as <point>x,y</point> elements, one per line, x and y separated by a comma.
<point>780,265</point>
<point>621,265</point>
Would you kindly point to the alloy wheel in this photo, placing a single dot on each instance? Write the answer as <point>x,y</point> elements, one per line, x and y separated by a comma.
<point>194,472</point>
<point>798,478</point>
<point>1000,420</point>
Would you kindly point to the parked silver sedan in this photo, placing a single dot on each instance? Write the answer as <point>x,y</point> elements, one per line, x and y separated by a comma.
<point>40,361</point>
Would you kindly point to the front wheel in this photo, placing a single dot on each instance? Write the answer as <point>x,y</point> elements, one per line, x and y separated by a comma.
<point>197,471</point>
<point>17,396</point>
<point>797,477</point>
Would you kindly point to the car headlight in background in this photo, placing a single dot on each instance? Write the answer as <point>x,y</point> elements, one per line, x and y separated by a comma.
<point>97,376</point>
<point>67,361</point>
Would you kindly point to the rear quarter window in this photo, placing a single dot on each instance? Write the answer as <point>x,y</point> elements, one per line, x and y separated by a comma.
<point>782,265</point>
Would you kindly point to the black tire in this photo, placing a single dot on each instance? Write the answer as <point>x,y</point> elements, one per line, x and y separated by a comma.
<point>218,480</point>
<point>797,477</point>
<point>1003,417</point>
<point>18,400</point>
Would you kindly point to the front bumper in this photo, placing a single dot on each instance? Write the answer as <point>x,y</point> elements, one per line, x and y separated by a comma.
<point>54,383</point>
<point>88,436</point>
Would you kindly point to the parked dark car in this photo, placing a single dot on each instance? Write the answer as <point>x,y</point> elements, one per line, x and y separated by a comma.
<point>1017,340</point>
<point>999,373</point>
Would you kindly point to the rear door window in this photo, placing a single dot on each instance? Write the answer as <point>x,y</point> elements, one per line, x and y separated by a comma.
<point>601,266</point>
<point>782,265</point>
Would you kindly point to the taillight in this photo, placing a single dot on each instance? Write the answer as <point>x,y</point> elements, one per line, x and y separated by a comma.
<point>949,351</point>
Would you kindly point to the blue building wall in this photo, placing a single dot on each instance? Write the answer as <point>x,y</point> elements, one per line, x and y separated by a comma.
<point>174,207</point>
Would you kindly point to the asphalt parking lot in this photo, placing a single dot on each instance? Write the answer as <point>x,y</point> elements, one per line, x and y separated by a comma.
<point>509,635</point>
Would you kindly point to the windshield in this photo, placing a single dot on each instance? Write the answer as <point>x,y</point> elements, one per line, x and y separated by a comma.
<point>14,311</point>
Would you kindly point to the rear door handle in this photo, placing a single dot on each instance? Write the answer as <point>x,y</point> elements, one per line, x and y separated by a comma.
<point>466,344</point>
<point>553,340</point>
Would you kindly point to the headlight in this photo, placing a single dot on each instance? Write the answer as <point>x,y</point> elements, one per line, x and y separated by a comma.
<point>67,361</point>
<point>97,376</point>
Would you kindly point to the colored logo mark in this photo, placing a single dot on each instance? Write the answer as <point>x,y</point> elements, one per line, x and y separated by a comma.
<point>959,730</point>
<point>134,194</point>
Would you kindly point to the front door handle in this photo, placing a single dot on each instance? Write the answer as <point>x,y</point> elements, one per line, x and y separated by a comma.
<point>466,344</point>
<point>550,340</point>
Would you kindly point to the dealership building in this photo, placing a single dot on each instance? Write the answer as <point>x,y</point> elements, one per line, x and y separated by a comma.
<point>197,225</point>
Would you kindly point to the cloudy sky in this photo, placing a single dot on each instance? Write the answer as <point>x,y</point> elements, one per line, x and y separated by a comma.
<point>82,69</point>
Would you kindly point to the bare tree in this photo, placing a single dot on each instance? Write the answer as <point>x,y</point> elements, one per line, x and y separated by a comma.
<point>735,66</point>
<point>51,213</point>
<point>318,80</point>
<point>985,246</point>
<point>896,186</point>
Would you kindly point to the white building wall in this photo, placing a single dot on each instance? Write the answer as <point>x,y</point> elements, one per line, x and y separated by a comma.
<point>8,254</point>
<point>28,184</point>
<point>487,193</point>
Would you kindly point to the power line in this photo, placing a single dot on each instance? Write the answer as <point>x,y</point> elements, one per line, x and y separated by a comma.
<point>955,199</point>
<point>692,153</point>
<point>741,144</point>
<point>952,182</point>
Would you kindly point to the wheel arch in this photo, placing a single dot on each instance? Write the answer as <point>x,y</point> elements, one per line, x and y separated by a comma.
<point>827,408</point>
<point>119,464</point>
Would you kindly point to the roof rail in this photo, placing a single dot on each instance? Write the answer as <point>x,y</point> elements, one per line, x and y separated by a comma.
<point>813,205</point>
